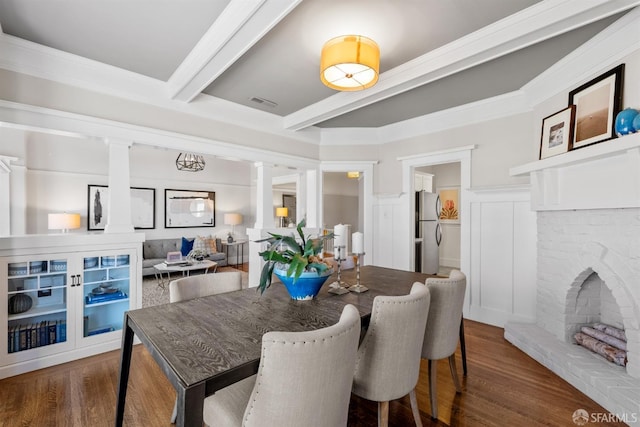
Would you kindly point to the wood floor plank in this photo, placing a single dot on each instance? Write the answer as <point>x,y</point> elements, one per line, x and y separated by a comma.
<point>504,387</point>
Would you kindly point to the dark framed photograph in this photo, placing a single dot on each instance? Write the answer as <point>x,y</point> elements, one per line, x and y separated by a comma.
<point>597,104</point>
<point>557,133</point>
<point>143,207</point>
<point>187,208</point>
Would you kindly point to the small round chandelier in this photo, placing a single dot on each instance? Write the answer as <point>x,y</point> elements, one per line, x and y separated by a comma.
<point>350,63</point>
<point>190,162</point>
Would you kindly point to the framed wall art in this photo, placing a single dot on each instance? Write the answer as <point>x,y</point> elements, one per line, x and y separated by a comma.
<point>597,104</point>
<point>449,205</point>
<point>187,208</point>
<point>143,207</point>
<point>557,133</point>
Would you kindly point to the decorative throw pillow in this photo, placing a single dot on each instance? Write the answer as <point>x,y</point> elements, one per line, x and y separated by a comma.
<point>213,248</point>
<point>201,244</point>
<point>187,246</point>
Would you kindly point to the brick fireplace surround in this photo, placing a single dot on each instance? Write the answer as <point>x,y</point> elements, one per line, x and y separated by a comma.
<point>572,245</point>
<point>588,268</point>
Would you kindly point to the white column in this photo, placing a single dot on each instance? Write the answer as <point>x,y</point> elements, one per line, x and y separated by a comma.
<point>5,195</point>
<point>312,198</point>
<point>18,190</point>
<point>119,203</point>
<point>301,197</point>
<point>264,196</point>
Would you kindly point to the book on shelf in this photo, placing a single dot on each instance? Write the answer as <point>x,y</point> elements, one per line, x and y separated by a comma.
<point>51,327</point>
<point>37,334</point>
<point>63,331</point>
<point>94,299</point>
<point>101,330</point>
<point>44,337</point>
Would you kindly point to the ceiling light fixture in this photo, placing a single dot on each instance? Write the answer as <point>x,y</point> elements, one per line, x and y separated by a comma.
<point>353,174</point>
<point>190,162</point>
<point>350,63</point>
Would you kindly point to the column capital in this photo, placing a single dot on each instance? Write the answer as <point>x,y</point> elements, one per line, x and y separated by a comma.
<point>118,141</point>
<point>5,162</point>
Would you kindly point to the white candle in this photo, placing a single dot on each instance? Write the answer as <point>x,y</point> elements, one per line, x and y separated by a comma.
<point>357,243</point>
<point>339,231</point>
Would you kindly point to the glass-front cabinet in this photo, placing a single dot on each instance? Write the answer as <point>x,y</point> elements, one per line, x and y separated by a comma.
<point>105,287</point>
<point>64,305</point>
<point>38,303</point>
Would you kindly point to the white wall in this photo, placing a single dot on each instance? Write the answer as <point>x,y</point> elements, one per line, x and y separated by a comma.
<point>340,204</point>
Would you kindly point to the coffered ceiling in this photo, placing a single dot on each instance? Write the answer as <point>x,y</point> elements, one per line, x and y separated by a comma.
<point>260,58</point>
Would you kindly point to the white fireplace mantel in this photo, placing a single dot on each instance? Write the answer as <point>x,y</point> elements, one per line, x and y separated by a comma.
<point>603,175</point>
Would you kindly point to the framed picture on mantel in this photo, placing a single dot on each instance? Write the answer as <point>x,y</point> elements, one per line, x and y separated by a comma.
<point>597,103</point>
<point>557,133</point>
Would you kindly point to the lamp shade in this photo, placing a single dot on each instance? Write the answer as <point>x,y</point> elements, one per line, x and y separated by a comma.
<point>232,219</point>
<point>63,221</point>
<point>282,212</point>
<point>350,63</point>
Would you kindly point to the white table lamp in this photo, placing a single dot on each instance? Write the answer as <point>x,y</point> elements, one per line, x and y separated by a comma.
<point>232,219</point>
<point>63,221</point>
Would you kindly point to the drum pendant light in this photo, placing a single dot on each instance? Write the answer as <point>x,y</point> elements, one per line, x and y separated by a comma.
<point>350,63</point>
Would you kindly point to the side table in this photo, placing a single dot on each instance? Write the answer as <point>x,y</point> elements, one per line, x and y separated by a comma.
<point>239,245</point>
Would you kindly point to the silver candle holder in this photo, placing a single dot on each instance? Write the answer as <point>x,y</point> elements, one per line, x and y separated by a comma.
<point>338,287</point>
<point>358,288</point>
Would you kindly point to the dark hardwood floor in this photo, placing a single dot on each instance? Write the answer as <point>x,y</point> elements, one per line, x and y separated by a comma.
<point>504,387</point>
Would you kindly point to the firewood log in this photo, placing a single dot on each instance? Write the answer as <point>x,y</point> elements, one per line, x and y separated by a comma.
<point>610,353</point>
<point>610,330</point>
<point>612,341</point>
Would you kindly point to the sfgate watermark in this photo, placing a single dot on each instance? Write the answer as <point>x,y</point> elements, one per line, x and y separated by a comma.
<point>581,417</point>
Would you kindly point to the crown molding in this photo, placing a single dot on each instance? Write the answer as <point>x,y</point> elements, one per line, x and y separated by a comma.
<point>476,112</point>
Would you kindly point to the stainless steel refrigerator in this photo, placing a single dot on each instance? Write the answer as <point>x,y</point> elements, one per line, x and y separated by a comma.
<point>428,232</point>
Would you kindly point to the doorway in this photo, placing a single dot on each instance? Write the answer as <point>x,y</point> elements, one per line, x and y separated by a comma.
<point>462,157</point>
<point>444,245</point>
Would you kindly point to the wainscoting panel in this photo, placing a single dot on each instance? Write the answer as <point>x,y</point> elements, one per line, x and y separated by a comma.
<point>391,228</point>
<point>503,256</point>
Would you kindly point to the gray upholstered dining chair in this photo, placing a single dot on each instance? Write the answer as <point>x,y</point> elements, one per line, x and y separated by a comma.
<point>202,285</point>
<point>304,379</point>
<point>443,325</point>
<point>388,362</point>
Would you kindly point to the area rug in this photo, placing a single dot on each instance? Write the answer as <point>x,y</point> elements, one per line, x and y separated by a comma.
<point>153,294</point>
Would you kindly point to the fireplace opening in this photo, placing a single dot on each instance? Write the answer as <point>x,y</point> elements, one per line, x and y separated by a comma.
<point>595,322</point>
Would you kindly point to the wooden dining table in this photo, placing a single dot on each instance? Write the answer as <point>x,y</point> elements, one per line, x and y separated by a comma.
<point>205,344</point>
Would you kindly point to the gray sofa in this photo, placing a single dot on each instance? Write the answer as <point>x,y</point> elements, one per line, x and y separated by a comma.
<point>155,251</point>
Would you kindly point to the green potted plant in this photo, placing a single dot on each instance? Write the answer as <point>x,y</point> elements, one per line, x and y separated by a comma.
<point>296,262</point>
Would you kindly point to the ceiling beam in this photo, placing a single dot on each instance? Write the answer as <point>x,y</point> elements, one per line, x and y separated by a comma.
<point>237,29</point>
<point>537,23</point>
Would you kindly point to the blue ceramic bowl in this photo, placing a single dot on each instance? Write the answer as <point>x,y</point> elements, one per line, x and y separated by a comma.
<point>306,287</point>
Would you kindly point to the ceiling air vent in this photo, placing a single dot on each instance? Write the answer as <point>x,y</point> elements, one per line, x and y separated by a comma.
<point>263,101</point>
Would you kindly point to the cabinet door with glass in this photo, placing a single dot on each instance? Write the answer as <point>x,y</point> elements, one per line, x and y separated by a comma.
<point>38,309</point>
<point>106,293</point>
